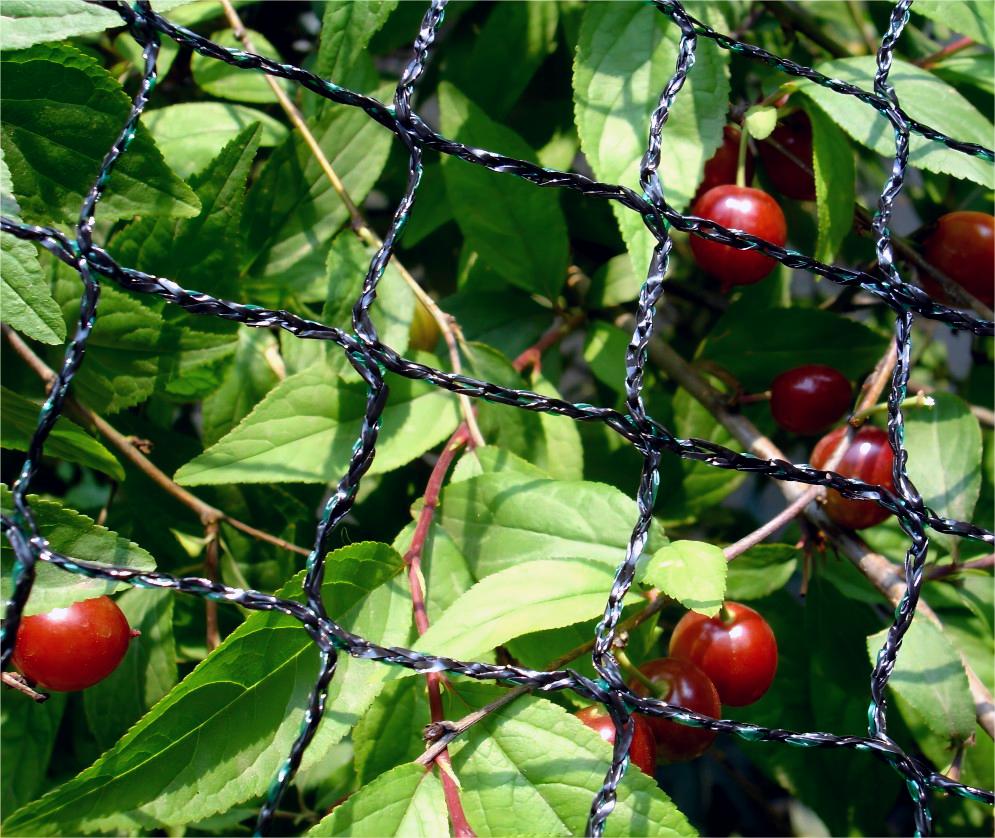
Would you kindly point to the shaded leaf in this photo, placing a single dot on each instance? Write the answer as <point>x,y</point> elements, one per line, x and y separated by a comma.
<point>518,230</point>
<point>228,82</point>
<point>929,676</point>
<point>835,175</point>
<point>761,571</point>
<point>346,29</point>
<point>77,536</point>
<point>191,134</point>
<point>27,735</point>
<point>26,301</point>
<point>61,112</point>
<point>147,672</point>
<point>67,440</point>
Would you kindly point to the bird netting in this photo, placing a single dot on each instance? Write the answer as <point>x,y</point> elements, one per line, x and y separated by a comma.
<point>371,359</point>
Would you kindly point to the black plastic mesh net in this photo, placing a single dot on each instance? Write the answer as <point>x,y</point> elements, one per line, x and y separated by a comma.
<point>372,359</point>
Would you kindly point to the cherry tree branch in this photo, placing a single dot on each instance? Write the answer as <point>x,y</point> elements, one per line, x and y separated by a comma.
<point>16,681</point>
<point>130,450</point>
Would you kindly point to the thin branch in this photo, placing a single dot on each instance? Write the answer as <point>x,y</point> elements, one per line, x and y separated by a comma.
<point>788,514</point>
<point>983,415</point>
<point>127,447</point>
<point>212,633</point>
<point>16,681</point>
<point>954,46</point>
<point>882,573</point>
<point>942,571</point>
<point>446,323</point>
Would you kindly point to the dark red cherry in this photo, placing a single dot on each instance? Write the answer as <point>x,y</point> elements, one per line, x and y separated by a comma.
<point>72,648</point>
<point>736,649</point>
<point>962,246</point>
<point>721,168</point>
<point>794,135</point>
<point>642,752</point>
<point>745,209</point>
<point>679,682</point>
<point>868,458</point>
<point>809,399</point>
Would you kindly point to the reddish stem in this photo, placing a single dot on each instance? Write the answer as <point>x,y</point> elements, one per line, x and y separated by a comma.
<point>949,49</point>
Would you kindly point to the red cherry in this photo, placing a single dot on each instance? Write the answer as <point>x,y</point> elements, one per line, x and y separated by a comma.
<point>809,399</point>
<point>869,458</point>
<point>736,649</point>
<point>683,684</point>
<point>721,168</point>
<point>745,209</point>
<point>794,134</point>
<point>642,752</point>
<point>72,648</point>
<point>962,246</point>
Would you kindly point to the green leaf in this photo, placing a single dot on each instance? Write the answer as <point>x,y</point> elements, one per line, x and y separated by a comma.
<point>246,381</point>
<point>924,97</point>
<point>191,134</point>
<point>518,230</point>
<point>626,54</point>
<point>27,735</point>
<point>974,18</point>
<point>133,351</point>
<point>530,596</point>
<point>217,739</point>
<point>75,535</point>
<point>761,571</point>
<point>28,22</point>
<point>346,29</point>
<point>26,301</point>
<point>944,445</point>
<point>973,69</point>
<point>615,282</point>
<point>392,312</point>
<point>692,572</point>
<point>558,448</point>
<point>835,176</point>
<point>929,676</point>
<point>702,486</point>
<point>304,429</point>
<point>292,209</point>
<point>502,520</point>
<point>390,732</point>
<point>792,336</point>
<point>604,350</point>
<point>228,82</point>
<point>61,113</point>
<point>532,768</point>
<point>146,674</point>
<point>492,81</point>
<point>198,252</point>
<point>407,801</point>
<point>447,576</point>
<point>760,121</point>
<point>67,441</point>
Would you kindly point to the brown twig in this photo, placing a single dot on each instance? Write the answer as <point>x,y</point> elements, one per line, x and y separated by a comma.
<point>446,323</point>
<point>942,571</point>
<point>788,514</point>
<point>882,573</point>
<point>128,448</point>
<point>16,681</point>
<point>954,46</point>
<point>212,633</point>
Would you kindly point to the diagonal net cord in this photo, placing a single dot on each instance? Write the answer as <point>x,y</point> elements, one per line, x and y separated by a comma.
<point>368,355</point>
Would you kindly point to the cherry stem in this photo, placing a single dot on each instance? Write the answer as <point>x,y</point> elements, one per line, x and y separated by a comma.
<point>918,400</point>
<point>632,670</point>
<point>725,615</point>
<point>744,139</point>
<point>753,398</point>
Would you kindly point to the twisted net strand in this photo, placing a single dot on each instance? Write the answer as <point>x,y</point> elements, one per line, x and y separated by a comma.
<point>371,358</point>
